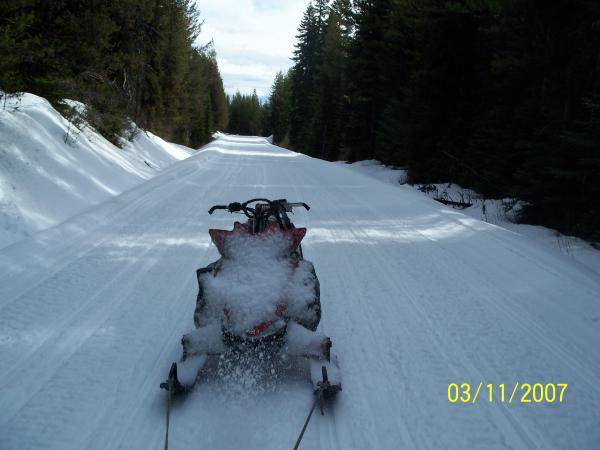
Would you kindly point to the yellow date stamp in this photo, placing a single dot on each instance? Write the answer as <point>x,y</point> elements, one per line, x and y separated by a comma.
<point>551,393</point>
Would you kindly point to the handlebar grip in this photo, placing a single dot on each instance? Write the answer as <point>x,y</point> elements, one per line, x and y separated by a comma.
<point>212,210</point>
<point>293,205</point>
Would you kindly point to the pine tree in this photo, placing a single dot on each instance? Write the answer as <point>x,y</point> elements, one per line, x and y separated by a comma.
<point>500,96</point>
<point>280,108</point>
<point>16,17</point>
<point>245,114</point>
<point>539,128</point>
<point>125,60</point>
<point>329,126</point>
<point>366,80</point>
<point>304,80</point>
<point>346,19</point>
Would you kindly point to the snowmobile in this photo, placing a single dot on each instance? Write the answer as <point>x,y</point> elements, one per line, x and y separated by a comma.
<point>260,294</point>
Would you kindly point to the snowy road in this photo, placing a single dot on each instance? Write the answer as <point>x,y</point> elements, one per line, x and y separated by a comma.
<point>415,296</point>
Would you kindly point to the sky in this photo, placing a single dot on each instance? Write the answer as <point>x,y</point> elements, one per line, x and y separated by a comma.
<point>254,39</point>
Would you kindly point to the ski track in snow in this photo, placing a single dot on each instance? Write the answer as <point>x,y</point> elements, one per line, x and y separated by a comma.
<point>414,295</point>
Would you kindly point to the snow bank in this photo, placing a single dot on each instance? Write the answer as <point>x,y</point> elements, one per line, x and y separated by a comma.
<point>50,170</point>
<point>255,276</point>
<point>499,212</point>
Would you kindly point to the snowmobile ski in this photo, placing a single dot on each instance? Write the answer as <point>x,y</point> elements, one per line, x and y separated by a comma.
<point>172,383</point>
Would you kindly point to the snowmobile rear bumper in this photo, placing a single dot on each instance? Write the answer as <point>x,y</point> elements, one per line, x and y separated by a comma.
<point>273,340</point>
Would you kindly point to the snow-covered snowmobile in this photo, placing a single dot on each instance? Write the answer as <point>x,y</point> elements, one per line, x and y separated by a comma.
<point>260,293</point>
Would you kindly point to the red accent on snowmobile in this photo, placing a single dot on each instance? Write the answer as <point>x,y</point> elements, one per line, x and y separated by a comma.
<point>218,238</point>
<point>259,329</point>
<point>298,234</point>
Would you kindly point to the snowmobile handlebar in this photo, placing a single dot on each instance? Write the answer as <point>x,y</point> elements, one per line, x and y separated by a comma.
<point>274,205</point>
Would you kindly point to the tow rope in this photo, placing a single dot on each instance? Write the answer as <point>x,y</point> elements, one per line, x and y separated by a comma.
<point>318,401</point>
<point>169,389</point>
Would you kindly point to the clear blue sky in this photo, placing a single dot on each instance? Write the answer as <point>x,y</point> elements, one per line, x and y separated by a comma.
<point>254,39</point>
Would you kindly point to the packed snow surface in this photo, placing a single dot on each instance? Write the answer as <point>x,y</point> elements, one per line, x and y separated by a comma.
<point>500,212</point>
<point>51,170</point>
<point>415,296</point>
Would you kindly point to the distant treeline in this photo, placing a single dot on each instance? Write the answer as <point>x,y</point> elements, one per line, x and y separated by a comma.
<point>246,115</point>
<point>502,96</point>
<point>126,60</point>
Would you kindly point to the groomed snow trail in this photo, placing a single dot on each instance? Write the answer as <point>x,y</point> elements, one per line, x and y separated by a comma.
<point>414,294</point>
